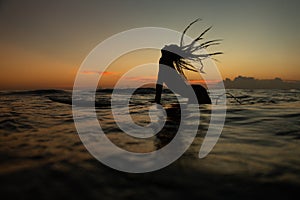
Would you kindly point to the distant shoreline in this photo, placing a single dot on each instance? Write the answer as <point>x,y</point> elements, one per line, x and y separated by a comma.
<point>243,82</point>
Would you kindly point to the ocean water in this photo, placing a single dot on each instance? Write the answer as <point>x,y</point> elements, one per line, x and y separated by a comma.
<point>257,155</point>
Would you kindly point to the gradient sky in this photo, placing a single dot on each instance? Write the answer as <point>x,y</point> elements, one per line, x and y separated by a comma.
<point>44,42</point>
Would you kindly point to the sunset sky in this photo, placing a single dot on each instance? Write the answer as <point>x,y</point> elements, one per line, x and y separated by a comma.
<point>43,43</point>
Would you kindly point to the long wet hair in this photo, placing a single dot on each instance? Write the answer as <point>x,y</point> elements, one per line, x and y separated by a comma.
<point>184,55</point>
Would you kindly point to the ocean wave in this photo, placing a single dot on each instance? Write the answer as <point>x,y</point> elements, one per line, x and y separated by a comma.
<point>14,125</point>
<point>68,100</point>
<point>35,92</point>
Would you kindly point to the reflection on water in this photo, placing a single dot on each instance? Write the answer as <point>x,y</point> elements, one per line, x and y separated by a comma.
<point>258,151</point>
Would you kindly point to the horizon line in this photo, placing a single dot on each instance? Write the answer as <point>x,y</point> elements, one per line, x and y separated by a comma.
<point>71,86</point>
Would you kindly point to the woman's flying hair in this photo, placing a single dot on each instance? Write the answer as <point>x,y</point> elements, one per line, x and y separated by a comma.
<point>186,54</point>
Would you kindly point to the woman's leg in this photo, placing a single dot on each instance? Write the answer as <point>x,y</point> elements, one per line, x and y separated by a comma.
<point>201,94</point>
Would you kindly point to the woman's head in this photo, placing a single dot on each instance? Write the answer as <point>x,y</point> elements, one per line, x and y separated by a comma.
<point>171,52</point>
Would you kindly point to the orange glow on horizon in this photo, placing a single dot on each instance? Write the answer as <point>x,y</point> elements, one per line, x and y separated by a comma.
<point>31,70</point>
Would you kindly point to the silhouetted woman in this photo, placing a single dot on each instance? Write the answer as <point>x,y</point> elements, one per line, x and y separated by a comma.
<point>175,59</point>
